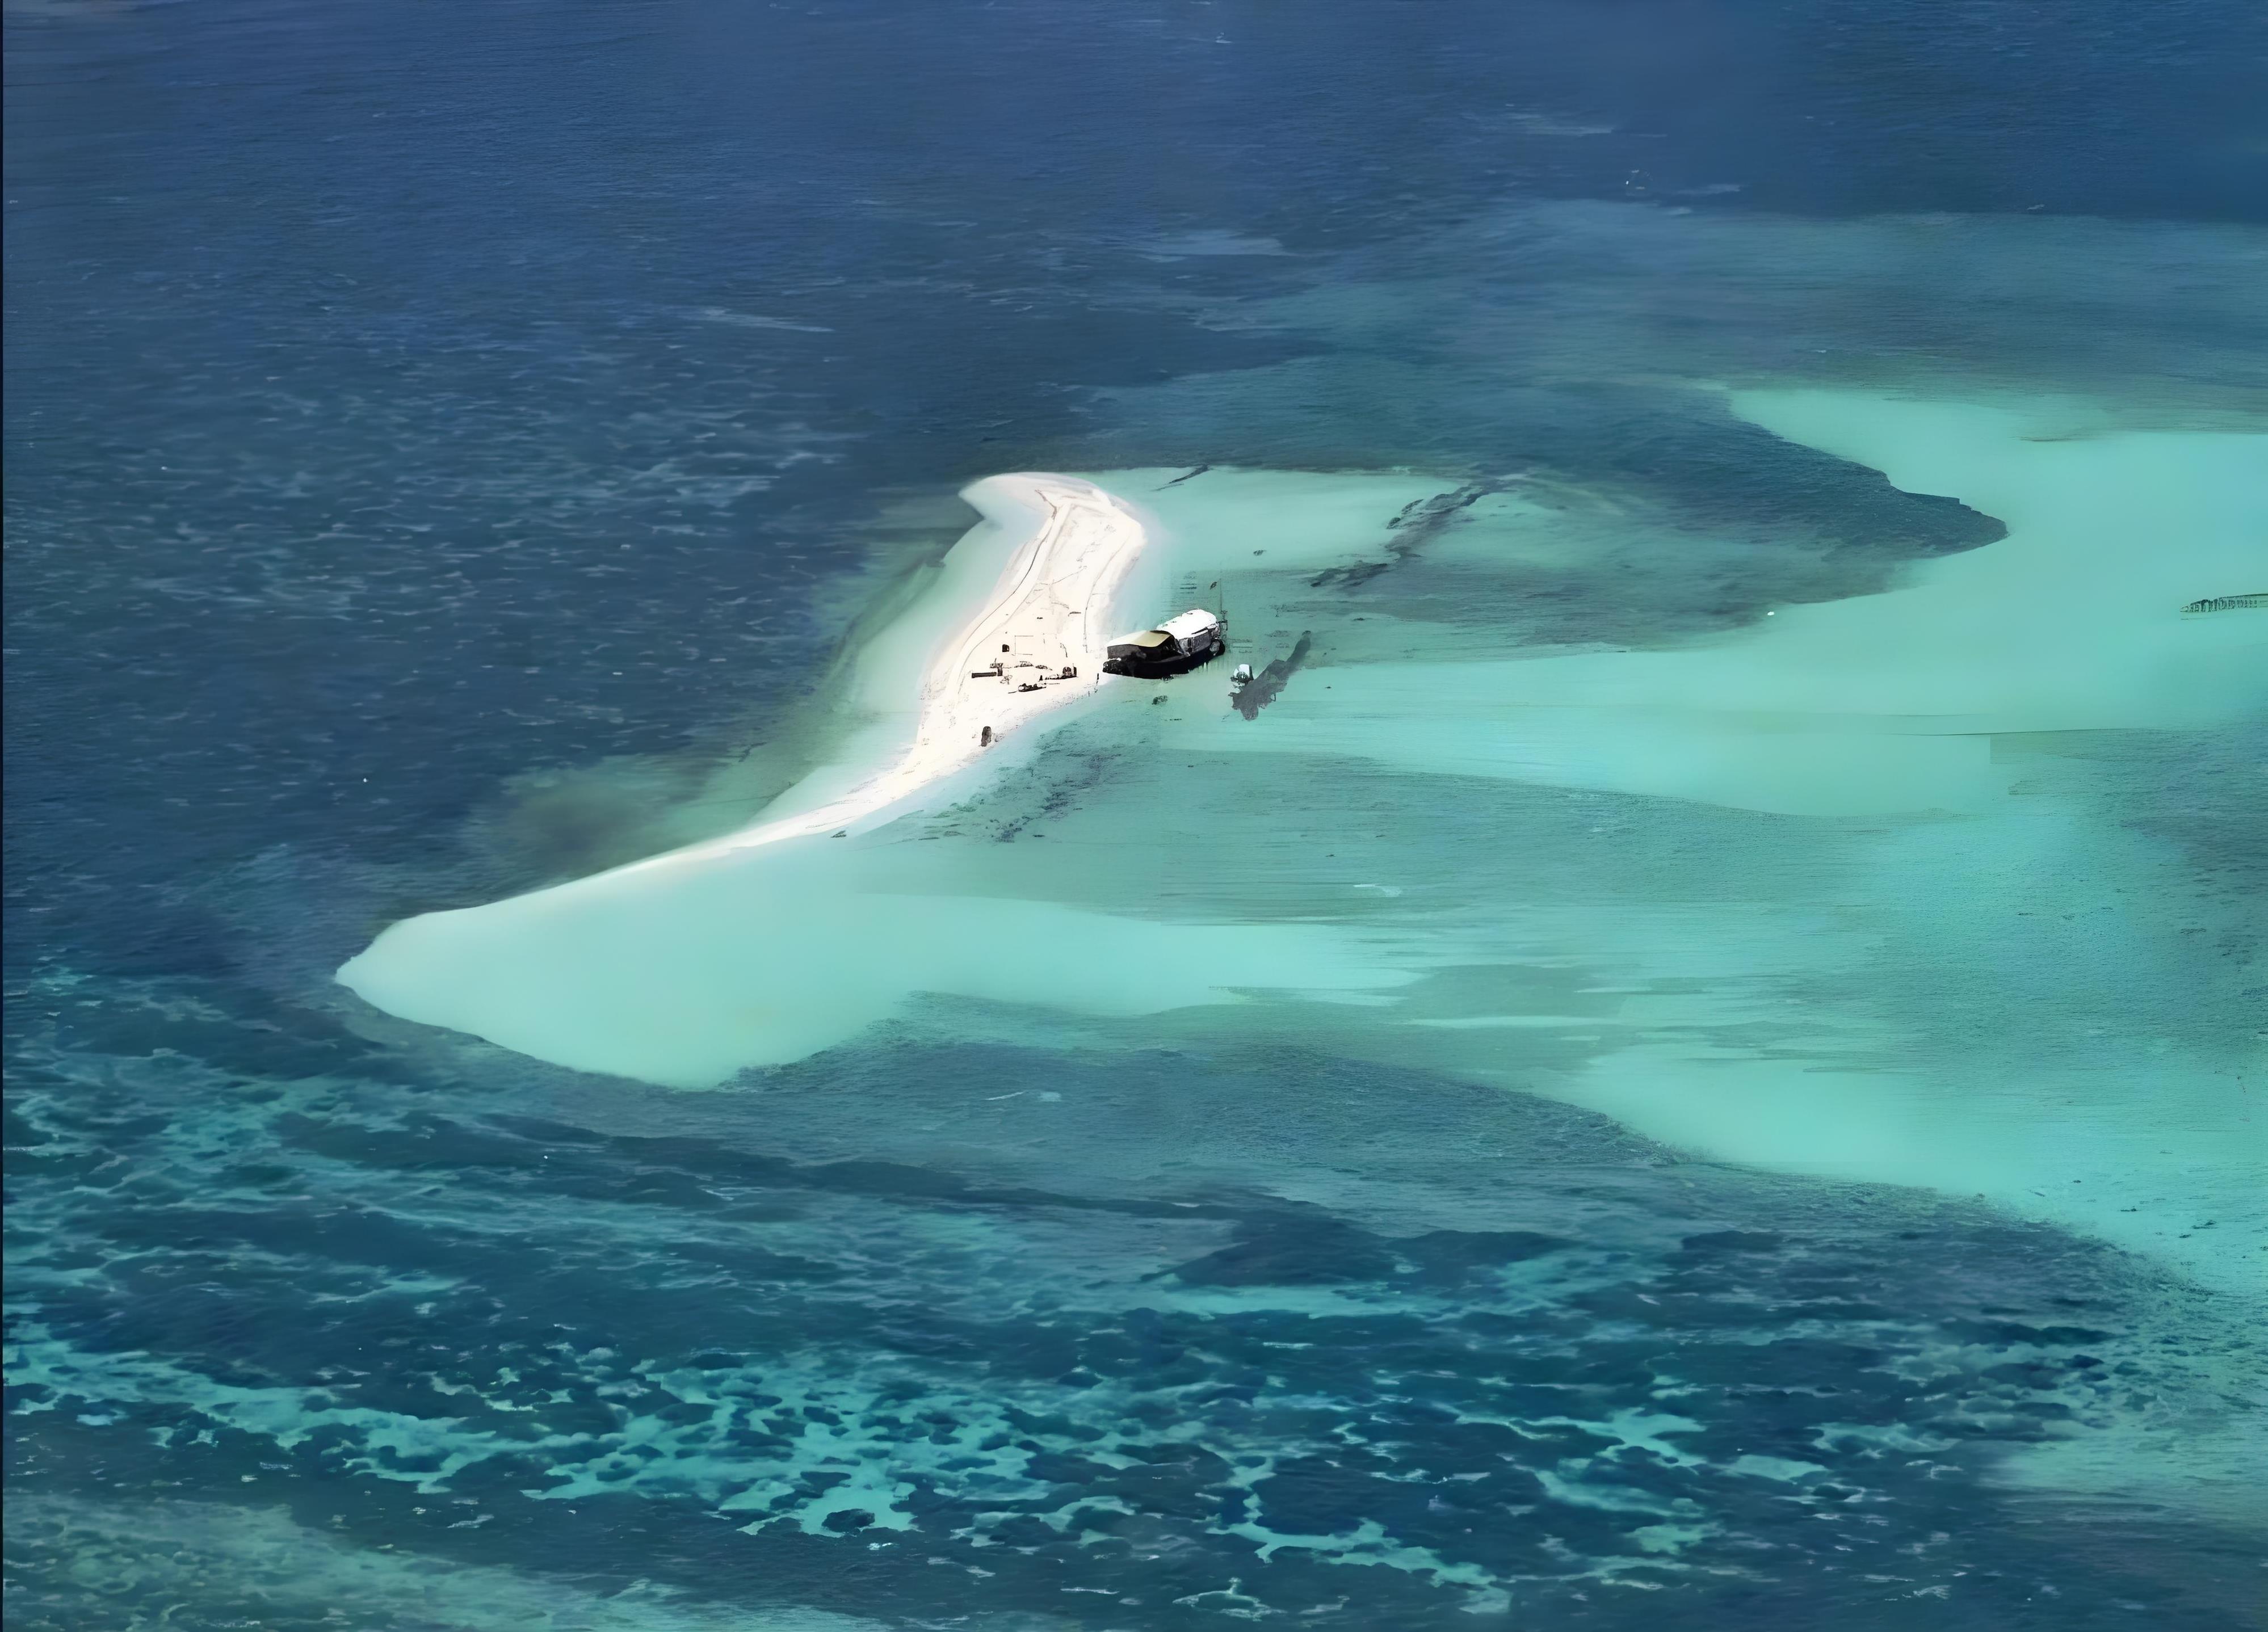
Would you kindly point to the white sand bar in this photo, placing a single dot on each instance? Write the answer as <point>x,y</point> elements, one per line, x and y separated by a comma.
<point>681,969</point>
<point>1037,644</point>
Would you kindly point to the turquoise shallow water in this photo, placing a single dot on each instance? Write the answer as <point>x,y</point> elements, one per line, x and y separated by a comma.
<point>1689,1052</point>
<point>1910,740</point>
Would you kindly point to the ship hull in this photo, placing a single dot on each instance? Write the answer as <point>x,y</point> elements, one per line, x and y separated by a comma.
<point>1165,666</point>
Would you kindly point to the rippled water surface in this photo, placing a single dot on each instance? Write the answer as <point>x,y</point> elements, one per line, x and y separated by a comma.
<point>1690,1054</point>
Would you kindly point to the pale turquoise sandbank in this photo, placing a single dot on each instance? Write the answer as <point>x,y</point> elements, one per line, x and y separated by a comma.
<point>1849,892</point>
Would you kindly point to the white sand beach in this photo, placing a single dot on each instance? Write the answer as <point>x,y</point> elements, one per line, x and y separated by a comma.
<point>771,944</point>
<point>1034,646</point>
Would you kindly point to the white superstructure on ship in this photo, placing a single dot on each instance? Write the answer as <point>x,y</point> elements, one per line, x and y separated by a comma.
<point>1180,644</point>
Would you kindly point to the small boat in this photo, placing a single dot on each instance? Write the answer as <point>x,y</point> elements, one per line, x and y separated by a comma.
<point>1174,647</point>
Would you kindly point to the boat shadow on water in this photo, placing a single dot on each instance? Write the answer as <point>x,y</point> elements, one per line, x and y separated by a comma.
<point>1251,695</point>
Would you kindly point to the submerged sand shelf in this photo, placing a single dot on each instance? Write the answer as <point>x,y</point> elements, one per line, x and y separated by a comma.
<point>1824,894</point>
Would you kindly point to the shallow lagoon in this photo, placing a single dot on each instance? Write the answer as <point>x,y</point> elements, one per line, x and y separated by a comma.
<point>1756,1003</point>
<point>1569,1114</point>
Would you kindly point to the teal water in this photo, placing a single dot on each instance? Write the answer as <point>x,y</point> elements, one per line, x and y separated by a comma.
<point>1691,1052</point>
<point>1949,704</point>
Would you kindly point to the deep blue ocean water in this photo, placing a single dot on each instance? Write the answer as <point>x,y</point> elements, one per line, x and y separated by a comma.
<point>438,435</point>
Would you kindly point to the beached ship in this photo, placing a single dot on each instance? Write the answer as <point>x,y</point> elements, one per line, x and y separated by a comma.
<point>1174,647</point>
